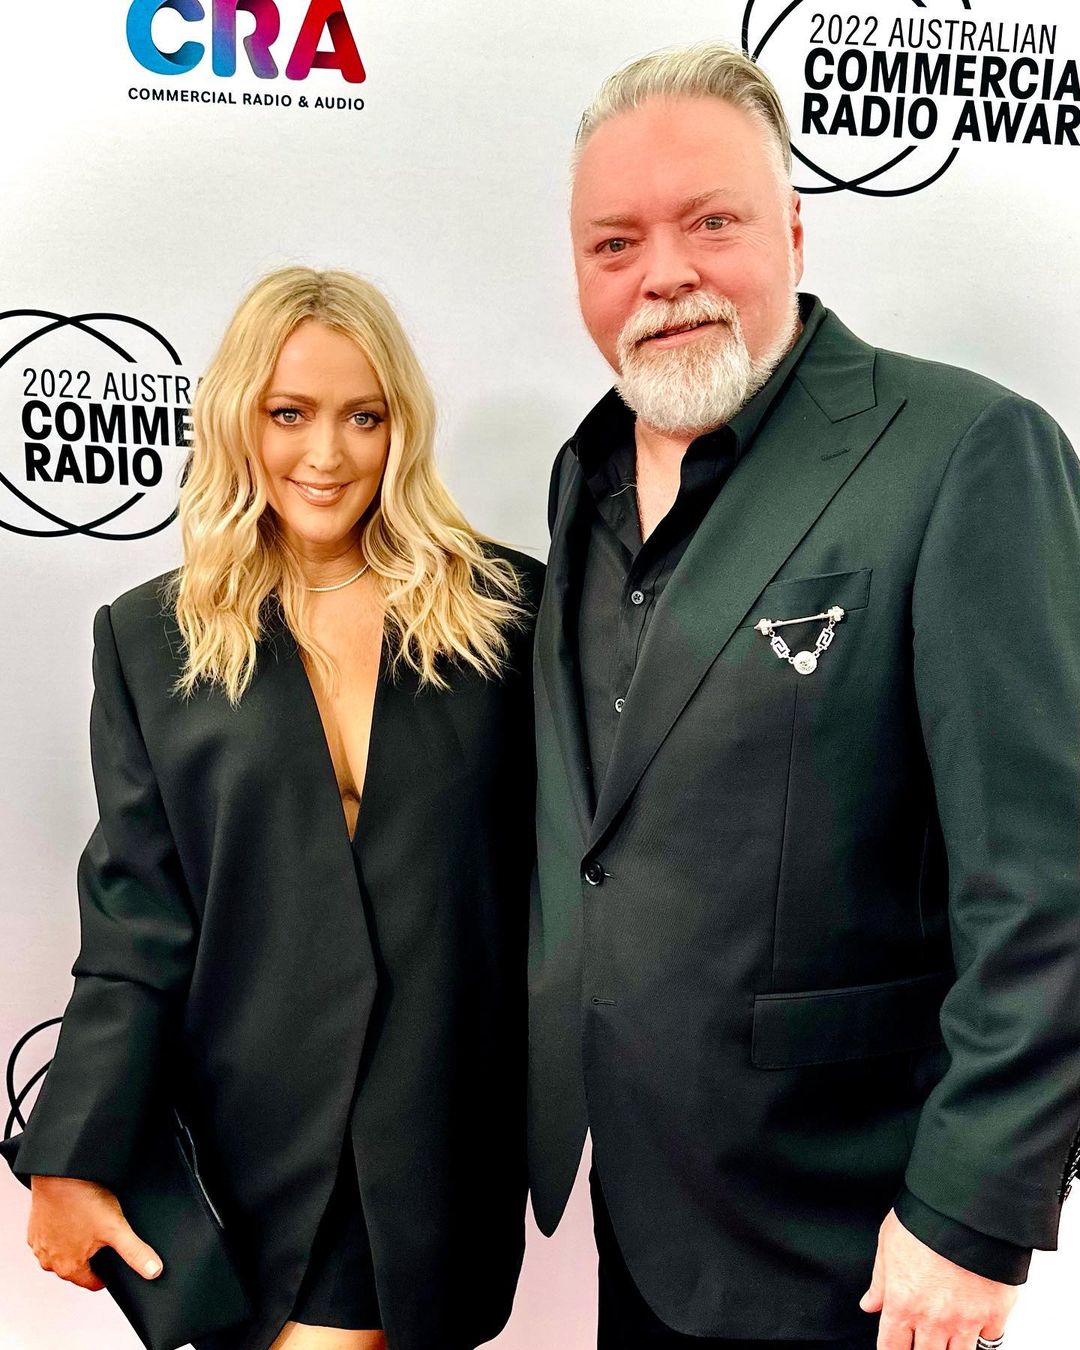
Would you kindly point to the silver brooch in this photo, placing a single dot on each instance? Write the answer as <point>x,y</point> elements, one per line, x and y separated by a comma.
<point>804,662</point>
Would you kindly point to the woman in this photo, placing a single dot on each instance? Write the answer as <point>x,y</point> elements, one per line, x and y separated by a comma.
<point>303,908</point>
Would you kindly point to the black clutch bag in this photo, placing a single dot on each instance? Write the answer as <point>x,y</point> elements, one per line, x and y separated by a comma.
<point>199,1290</point>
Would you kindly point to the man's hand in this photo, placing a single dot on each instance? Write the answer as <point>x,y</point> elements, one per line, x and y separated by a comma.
<point>928,1301</point>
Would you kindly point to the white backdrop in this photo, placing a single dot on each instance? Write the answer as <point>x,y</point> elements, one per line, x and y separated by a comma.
<point>449,188</point>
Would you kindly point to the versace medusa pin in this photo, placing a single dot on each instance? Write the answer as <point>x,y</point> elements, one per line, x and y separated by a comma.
<point>805,662</point>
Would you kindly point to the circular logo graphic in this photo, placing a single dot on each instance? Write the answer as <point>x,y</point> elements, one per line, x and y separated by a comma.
<point>95,413</point>
<point>870,85</point>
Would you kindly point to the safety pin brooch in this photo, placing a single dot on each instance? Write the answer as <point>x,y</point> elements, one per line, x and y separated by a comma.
<point>804,662</point>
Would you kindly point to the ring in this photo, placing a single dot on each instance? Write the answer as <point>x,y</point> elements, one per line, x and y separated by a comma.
<point>983,1344</point>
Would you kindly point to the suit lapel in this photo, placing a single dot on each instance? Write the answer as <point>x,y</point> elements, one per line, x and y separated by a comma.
<point>556,638</point>
<point>814,439</point>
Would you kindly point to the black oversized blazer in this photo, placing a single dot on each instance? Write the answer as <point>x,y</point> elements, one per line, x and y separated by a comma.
<point>835,944</point>
<point>227,957</point>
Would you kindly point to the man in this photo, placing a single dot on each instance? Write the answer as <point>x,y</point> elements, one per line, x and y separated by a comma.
<point>806,944</point>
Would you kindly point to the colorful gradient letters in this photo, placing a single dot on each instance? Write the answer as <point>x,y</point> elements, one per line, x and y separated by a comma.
<point>323,16</point>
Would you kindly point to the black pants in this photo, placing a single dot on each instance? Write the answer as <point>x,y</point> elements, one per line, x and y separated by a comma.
<point>627,1322</point>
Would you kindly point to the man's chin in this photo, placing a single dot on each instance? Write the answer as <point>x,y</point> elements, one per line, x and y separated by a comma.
<point>677,431</point>
<point>675,406</point>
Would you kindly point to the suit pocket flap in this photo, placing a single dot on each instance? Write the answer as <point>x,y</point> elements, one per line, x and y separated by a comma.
<point>819,1026</point>
<point>795,597</point>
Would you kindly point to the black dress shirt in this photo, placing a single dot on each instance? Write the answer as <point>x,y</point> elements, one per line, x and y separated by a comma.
<point>622,580</point>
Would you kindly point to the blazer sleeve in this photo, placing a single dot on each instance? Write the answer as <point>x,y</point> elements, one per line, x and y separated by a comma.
<point>137,945</point>
<point>991,1257</point>
<point>996,631</point>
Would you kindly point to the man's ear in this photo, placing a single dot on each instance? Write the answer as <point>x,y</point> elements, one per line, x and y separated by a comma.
<point>797,234</point>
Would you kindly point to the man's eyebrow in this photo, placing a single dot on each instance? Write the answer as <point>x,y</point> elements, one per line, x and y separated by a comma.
<point>611,222</point>
<point>688,204</point>
<point>692,203</point>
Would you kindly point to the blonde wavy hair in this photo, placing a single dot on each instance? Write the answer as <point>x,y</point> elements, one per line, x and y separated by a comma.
<point>445,595</point>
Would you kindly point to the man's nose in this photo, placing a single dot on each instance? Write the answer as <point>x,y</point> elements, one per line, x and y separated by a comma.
<point>669,270</point>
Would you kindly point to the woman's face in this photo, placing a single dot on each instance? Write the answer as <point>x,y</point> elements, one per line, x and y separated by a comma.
<point>325,435</point>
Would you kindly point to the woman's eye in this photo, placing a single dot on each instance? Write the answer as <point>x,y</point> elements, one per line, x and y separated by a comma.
<point>366,419</point>
<point>288,416</point>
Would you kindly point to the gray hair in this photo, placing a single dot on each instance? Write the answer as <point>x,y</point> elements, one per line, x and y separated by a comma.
<point>704,70</point>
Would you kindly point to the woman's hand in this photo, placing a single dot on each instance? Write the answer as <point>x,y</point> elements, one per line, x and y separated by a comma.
<point>70,1220</point>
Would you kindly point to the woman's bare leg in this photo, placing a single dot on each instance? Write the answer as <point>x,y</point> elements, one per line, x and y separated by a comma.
<point>298,1336</point>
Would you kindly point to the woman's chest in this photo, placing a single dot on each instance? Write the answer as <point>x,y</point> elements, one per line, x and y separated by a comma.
<point>345,703</point>
<point>268,781</point>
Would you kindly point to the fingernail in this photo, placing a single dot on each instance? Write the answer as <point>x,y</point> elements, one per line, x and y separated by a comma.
<point>152,1267</point>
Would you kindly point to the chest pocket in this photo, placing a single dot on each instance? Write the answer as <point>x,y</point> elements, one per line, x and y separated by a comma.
<point>796,597</point>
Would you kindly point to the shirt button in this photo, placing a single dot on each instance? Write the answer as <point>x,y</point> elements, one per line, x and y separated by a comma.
<point>620,704</point>
<point>593,873</point>
<point>637,597</point>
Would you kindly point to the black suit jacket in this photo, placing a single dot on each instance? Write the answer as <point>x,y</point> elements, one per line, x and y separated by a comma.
<point>230,956</point>
<point>833,944</point>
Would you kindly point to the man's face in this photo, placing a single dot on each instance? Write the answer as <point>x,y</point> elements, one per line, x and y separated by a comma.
<point>674,203</point>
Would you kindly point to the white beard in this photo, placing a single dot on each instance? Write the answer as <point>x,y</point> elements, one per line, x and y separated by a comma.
<point>703,383</point>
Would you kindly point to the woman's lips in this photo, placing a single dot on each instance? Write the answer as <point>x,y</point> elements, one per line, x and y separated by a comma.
<point>329,495</point>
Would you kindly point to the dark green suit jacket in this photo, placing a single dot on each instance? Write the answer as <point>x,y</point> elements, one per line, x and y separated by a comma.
<point>820,937</point>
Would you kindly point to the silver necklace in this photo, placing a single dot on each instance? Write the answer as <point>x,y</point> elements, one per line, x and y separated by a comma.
<point>340,585</point>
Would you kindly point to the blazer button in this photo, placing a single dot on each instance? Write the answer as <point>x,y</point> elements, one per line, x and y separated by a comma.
<point>593,873</point>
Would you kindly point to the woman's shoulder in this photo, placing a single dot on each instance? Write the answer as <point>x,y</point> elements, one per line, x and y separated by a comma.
<point>142,623</point>
<point>148,602</point>
<point>529,569</point>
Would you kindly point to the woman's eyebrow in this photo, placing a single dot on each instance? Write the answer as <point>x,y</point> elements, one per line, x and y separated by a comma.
<point>375,399</point>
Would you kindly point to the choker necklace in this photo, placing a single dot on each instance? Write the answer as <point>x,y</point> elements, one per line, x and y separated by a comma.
<point>340,585</point>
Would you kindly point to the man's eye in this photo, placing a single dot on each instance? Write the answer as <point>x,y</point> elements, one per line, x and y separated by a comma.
<point>614,245</point>
<point>714,222</point>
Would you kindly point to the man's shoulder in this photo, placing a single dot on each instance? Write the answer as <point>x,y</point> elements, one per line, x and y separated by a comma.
<point>919,377</point>
<point>947,407</point>
<point>937,395</point>
<point>560,466</point>
<point>954,426</point>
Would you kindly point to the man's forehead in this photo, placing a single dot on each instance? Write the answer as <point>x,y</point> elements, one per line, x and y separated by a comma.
<point>669,151</point>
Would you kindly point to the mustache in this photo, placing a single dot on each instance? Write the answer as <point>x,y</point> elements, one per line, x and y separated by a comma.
<point>654,316</point>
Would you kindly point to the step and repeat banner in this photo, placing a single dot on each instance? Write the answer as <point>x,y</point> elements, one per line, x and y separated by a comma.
<point>160,155</point>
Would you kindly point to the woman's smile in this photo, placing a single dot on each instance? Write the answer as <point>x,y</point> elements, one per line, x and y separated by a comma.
<point>320,494</point>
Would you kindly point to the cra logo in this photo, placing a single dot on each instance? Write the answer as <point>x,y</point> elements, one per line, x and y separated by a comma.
<point>305,53</point>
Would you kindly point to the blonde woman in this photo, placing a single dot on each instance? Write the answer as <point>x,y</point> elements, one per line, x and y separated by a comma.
<point>303,907</point>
